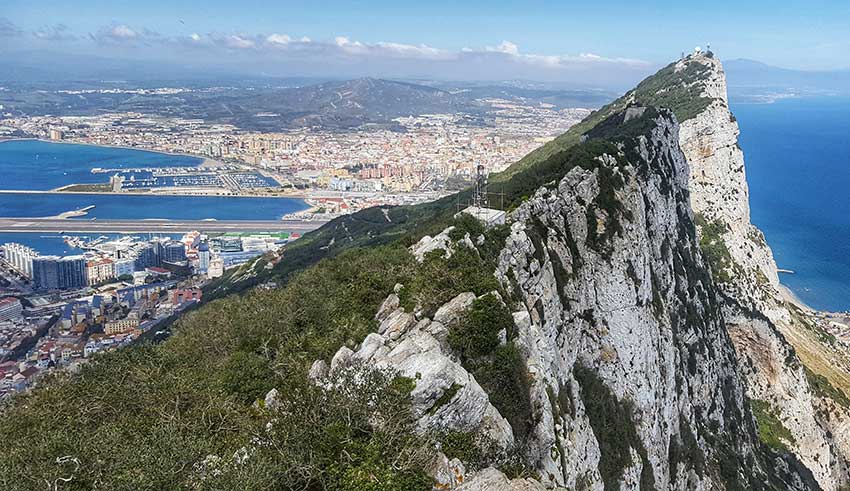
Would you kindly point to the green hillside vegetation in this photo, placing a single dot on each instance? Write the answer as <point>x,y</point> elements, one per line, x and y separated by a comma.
<point>678,91</point>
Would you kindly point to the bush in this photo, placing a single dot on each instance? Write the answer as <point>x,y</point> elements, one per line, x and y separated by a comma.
<point>477,333</point>
<point>463,446</point>
<point>613,425</point>
<point>713,247</point>
<point>506,380</point>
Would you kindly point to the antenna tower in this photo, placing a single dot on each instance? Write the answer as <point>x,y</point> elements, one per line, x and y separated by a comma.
<point>479,199</point>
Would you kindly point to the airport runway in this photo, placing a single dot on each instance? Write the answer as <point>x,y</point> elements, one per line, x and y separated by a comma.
<point>142,226</point>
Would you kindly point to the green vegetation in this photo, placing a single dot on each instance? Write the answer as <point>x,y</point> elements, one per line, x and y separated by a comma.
<point>145,416</point>
<point>500,369</point>
<point>770,429</point>
<point>477,333</point>
<point>445,398</point>
<point>613,425</point>
<point>463,446</point>
<point>679,91</point>
<point>713,247</point>
<point>438,280</point>
<point>821,387</point>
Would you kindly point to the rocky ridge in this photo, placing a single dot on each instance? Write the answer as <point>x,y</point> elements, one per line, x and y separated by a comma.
<point>634,381</point>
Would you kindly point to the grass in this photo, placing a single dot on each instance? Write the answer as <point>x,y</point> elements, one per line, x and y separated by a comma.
<point>820,385</point>
<point>679,91</point>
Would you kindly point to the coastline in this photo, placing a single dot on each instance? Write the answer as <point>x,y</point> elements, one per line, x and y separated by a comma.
<point>60,190</point>
<point>791,297</point>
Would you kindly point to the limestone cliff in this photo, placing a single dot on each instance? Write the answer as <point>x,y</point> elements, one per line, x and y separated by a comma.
<point>754,309</point>
<point>632,379</point>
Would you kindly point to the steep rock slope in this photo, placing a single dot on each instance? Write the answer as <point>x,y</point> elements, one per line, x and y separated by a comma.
<point>632,378</point>
<point>746,274</point>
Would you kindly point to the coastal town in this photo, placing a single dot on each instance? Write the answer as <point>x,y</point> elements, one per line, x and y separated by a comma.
<point>335,171</point>
<point>56,312</point>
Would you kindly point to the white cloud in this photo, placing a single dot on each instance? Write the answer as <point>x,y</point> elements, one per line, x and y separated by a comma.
<point>195,37</point>
<point>238,42</point>
<point>505,47</point>
<point>123,32</point>
<point>58,32</point>
<point>281,39</point>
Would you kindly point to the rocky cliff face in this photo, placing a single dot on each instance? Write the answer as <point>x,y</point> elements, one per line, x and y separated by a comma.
<point>756,313</point>
<point>719,193</point>
<point>633,381</point>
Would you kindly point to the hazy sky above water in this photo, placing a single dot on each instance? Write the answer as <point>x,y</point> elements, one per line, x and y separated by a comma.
<point>599,42</point>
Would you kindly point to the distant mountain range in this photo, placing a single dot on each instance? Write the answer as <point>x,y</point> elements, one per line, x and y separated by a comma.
<point>274,104</point>
<point>749,79</point>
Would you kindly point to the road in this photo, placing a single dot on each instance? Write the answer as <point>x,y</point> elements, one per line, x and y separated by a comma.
<point>143,226</point>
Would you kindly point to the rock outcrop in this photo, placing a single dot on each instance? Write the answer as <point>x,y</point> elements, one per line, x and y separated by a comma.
<point>634,379</point>
<point>647,312</point>
<point>753,305</point>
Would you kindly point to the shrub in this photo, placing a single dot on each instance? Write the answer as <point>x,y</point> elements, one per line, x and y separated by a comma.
<point>477,333</point>
<point>506,380</point>
<point>820,385</point>
<point>771,430</point>
<point>613,425</point>
<point>713,247</point>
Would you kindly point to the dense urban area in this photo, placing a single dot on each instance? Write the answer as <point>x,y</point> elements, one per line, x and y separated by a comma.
<point>415,158</point>
<point>57,311</point>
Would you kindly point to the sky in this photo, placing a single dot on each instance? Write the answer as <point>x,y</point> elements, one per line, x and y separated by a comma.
<point>594,41</point>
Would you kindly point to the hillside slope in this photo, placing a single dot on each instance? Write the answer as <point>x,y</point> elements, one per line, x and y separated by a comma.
<point>607,338</point>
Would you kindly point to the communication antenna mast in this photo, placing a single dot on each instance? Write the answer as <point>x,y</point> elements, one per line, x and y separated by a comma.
<point>479,199</point>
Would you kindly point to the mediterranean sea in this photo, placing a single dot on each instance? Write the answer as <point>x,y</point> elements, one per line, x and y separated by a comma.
<point>39,165</point>
<point>797,153</point>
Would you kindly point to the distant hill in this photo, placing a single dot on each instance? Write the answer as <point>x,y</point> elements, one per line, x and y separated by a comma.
<point>749,79</point>
<point>275,104</point>
<point>360,101</point>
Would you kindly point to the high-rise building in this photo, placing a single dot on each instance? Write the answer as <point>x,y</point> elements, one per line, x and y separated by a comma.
<point>147,255</point>
<point>59,273</point>
<point>173,251</point>
<point>20,257</point>
<point>10,308</point>
<point>203,258</point>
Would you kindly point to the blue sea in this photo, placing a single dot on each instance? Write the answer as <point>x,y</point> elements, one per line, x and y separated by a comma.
<point>110,206</point>
<point>797,154</point>
<point>40,165</point>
